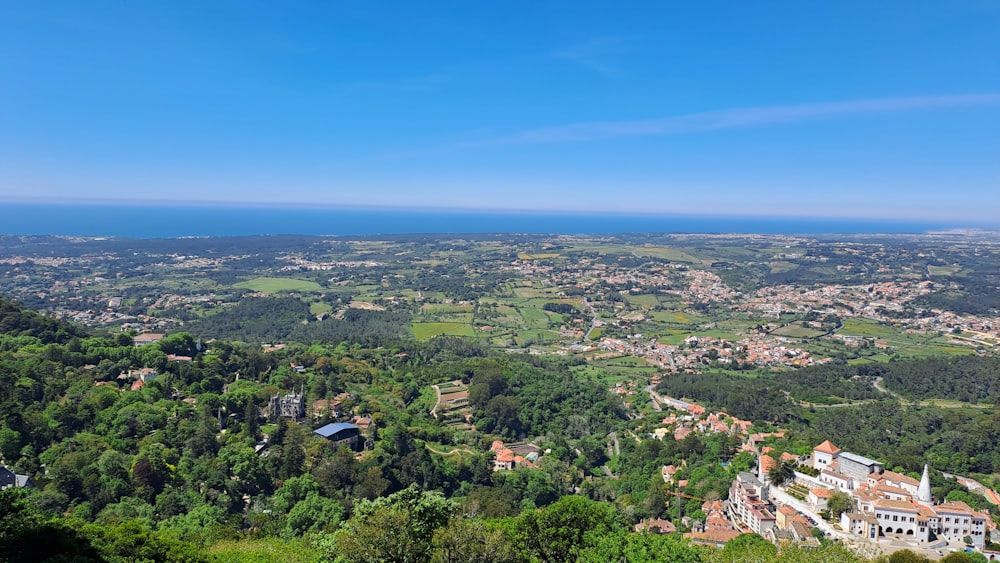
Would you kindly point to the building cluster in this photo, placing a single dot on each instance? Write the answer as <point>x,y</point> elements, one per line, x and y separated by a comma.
<point>692,418</point>
<point>892,505</point>
<point>759,350</point>
<point>885,505</point>
<point>507,458</point>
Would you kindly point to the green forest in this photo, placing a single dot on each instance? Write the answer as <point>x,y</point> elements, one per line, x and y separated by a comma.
<point>178,469</point>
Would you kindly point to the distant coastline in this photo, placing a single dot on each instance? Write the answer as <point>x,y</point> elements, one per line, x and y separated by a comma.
<point>159,221</point>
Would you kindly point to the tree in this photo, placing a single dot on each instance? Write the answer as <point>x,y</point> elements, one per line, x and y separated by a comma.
<point>556,533</point>
<point>907,556</point>
<point>313,514</point>
<point>959,557</point>
<point>398,528</point>
<point>469,540</point>
<point>782,472</point>
<point>638,548</point>
<point>293,455</point>
<point>839,503</point>
<point>747,548</point>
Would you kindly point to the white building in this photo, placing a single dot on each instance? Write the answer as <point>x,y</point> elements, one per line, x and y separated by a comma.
<point>957,520</point>
<point>749,504</point>
<point>888,509</point>
<point>824,454</point>
<point>836,480</point>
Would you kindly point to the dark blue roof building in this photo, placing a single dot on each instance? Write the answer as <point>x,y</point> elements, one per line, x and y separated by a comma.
<point>339,432</point>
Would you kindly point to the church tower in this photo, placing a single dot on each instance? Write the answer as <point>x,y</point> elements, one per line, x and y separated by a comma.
<point>924,490</point>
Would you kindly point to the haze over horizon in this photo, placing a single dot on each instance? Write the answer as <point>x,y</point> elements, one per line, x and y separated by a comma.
<point>888,111</point>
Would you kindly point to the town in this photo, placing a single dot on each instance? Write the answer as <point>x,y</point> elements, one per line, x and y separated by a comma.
<point>698,382</point>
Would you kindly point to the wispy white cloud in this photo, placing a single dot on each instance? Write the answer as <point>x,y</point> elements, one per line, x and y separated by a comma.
<point>729,119</point>
<point>595,54</point>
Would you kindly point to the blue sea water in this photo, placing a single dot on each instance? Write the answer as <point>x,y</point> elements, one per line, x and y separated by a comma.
<point>163,221</point>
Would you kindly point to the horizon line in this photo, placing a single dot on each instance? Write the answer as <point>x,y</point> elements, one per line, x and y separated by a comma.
<point>331,206</point>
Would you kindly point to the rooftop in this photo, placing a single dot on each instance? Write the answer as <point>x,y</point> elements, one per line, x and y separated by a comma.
<point>334,428</point>
<point>858,459</point>
<point>827,447</point>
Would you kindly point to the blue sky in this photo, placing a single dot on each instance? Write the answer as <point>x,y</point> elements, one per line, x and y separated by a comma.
<point>851,108</point>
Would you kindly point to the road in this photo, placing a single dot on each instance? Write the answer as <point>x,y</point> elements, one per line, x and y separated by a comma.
<point>437,391</point>
<point>593,321</point>
<point>615,444</point>
<point>655,397</point>
<point>877,384</point>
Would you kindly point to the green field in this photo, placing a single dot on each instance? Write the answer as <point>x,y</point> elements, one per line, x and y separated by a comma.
<point>943,270</point>
<point>424,331</point>
<point>797,331</point>
<point>447,308</point>
<point>782,267</point>
<point>274,285</point>
<point>647,300</point>
<point>318,308</point>
<point>677,317</point>
<point>536,337</point>
<point>534,318</point>
<point>672,254</point>
<point>856,326</point>
<point>905,344</point>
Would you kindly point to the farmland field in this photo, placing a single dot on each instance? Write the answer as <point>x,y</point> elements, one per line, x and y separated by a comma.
<point>677,317</point>
<point>424,331</point>
<point>275,285</point>
<point>525,256</point>
<point>796,330</point>
<point>318,308</point>
<point>943,270</point>
<point>644,300</point>
<point>868,328</point>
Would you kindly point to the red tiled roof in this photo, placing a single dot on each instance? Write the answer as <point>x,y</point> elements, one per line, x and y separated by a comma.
<point>767,463</point>
<point>827,447</point>
<point>820,492</point>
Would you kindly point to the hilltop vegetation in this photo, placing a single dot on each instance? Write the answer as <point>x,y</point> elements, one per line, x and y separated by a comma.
<point>170,447</point>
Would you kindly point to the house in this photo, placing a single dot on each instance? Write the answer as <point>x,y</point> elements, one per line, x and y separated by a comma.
<point>507,458</point>
<point>714,538</point>
<point>956,520</point>
<point>340,434</point>
<point>147,338</point>
<point>893,479</point>
<point>860,524</point>
<point>656,526</point>
<point>784,516</point>
<point>819,497</point>
<point>292,405</point>
<point>323,408</point>
<point>836,480</point>
<point>144,375</point>
<point>764,466</point>
<point>824,454</point>
<point>9,479</point>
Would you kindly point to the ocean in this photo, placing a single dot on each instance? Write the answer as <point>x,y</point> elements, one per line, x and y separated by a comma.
<point>170,221</point>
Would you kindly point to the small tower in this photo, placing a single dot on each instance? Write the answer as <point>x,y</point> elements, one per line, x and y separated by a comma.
<point>924,490</point>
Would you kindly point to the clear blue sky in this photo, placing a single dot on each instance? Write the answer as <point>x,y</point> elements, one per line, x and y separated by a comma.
<point>887,109</point>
